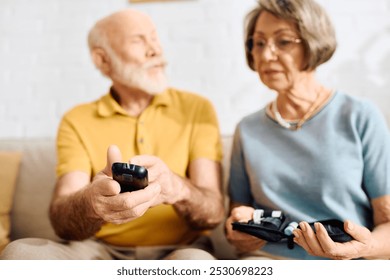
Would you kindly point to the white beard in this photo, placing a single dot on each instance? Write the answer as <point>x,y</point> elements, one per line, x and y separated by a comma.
<point>134,76</point>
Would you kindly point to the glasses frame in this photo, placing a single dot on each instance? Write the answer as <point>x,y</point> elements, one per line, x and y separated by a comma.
<point>249,45</point>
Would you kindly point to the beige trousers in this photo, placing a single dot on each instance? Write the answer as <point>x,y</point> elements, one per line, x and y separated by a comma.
<point>90,249</point>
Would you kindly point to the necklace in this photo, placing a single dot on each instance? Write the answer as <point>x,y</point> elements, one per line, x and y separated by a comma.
<point>296,125</point>
<point>279,118</point>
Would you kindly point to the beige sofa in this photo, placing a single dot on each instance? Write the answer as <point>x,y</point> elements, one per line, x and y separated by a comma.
<point>35,182</point>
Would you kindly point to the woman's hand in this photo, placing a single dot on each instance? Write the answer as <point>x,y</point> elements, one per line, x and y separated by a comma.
<point>241,241</point>
<point>319,243</point>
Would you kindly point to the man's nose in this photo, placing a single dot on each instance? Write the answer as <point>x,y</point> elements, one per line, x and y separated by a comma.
<point>153,48</point>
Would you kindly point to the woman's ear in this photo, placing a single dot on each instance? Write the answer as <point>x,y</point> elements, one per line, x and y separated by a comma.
<point>101,60</point>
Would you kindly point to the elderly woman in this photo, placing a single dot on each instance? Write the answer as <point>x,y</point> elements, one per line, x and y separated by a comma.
<point>314,153</point>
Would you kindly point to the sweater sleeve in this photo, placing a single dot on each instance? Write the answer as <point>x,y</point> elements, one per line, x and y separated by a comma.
<point>239,185</point>
<point>375,137</point>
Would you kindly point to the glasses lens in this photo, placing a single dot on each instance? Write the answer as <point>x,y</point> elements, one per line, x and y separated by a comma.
<point>285,44</point>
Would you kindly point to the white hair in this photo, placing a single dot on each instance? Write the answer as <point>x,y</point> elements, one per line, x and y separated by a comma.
<point>127,74</point>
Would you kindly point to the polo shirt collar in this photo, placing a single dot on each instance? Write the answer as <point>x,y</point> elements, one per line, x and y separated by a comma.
<point>108,106</point>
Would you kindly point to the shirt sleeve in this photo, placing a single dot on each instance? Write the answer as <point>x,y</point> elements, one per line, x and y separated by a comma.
<point>375,139</point>
<point>71,154</point>
<point>239,186</point>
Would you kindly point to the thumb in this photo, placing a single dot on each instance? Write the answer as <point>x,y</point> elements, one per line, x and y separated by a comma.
<point>357,232</point>
<point>113,155</point>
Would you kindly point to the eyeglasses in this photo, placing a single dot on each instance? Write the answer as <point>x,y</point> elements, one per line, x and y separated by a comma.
<point>281,44</point>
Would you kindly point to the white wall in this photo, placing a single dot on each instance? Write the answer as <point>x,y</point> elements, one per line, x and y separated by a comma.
<point>45,67</point>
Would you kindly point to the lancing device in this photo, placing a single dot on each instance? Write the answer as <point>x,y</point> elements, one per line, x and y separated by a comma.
<point>290,228</point>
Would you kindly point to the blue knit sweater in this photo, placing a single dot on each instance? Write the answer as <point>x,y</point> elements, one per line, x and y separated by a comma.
<point>331,168</point>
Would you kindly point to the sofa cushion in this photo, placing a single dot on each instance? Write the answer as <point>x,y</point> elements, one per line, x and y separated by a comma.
<point>9,167</point>
<point>34,187</point>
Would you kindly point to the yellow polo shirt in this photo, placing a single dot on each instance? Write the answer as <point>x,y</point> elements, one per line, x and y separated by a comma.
<point>177,127</point>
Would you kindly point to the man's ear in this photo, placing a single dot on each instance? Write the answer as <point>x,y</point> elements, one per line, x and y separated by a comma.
<point>101,60</point>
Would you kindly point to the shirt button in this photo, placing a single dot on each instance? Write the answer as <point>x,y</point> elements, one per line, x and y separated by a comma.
<point>141,140</point>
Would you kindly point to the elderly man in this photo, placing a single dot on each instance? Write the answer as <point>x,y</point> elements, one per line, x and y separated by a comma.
<point>174,134</point>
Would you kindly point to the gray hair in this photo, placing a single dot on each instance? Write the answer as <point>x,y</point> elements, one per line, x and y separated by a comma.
<point>98,38</point>
<point>314,26</point>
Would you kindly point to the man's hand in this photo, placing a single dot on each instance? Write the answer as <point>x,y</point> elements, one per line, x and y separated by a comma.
<point>198,198</point>
<point>79,207</point>
<point>160,177</point>
<point>114,207</point>
<point>319,243</point>
<point>243,242</point>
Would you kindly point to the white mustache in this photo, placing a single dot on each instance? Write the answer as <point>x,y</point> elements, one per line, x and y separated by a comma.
<point>153,63</point>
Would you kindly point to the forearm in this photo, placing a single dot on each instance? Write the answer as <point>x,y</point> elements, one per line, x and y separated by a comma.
<point>381,245</point>
<point>201,207</point>
<point>72,217</point>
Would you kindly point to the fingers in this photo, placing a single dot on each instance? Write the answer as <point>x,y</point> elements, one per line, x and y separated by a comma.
<point>242,241</point>
<point>127,206</point>
<point>131,205</point>
<point>127,215</point>
<point>103,185</point>
<point>130,200</point>
<point>242,213</point>
<point>359,233</point>
<point>144,160</point>
<point>234,234</point>
<point>113,155</point>
<point>106,186</point>
<point>319,243</point>
<point>156,167</point>
<point>303,237</point>
<point>331,249</point>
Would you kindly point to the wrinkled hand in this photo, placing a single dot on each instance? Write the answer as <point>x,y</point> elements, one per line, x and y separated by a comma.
<point>160,177</point>
<point>103,192</point>
<point>243,242</point>
<point>319,243</point>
